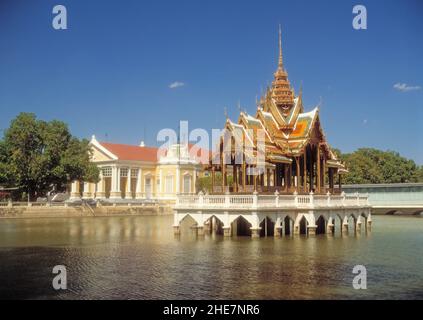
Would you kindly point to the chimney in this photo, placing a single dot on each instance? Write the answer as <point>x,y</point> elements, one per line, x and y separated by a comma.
<point>142,144</point>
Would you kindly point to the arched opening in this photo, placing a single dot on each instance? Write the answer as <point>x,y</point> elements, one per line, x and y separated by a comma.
<point>418,213</point>
<point>188,224</point>
<point>214,225</point>
<point>241,227</point>
<point>303,225</point>
<point>267,227</point>
<point>288,225</point>
<point>391,212</point>
<point>321,225</point>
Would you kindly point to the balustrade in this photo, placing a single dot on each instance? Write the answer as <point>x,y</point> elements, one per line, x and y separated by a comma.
<point>273,201</point>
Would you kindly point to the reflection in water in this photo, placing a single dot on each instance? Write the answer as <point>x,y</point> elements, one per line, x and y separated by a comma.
<point>139,258</point>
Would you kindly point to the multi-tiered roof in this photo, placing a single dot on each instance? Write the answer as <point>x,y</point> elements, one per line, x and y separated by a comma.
<point>288,129</point>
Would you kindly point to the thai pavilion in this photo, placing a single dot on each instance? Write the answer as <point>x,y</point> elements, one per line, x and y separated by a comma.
<point>297,154</point>
<point>283,173</point>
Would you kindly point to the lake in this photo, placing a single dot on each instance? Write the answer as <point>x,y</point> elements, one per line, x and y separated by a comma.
<point>138,257</point>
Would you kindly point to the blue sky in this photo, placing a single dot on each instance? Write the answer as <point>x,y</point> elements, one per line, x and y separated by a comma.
<point>109,73</point>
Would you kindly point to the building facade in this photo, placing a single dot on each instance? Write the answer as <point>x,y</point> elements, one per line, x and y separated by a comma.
<point>136,173</point>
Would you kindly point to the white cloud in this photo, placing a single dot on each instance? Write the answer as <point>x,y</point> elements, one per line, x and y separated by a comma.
<point>176,84</point>
<point>403,87</point>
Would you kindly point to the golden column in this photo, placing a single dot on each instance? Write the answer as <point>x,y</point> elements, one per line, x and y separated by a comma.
<point>305,188</point>
<point>298,174</point>
<point>318,169</point>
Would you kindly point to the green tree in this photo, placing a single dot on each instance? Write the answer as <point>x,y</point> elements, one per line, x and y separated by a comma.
<point>5,175</point>
<point>41,155</point>
<point>368,165</point>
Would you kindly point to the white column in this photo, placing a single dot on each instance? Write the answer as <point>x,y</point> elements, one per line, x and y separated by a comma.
<point>75,191</point>
<point>194,181</point>
<point>138,190</point>
<point>115,192</point>
<point>178,180</point>
<point>100,192</point>
<point>128,193</point>
<point>160,184</point>
<point>87,194</point>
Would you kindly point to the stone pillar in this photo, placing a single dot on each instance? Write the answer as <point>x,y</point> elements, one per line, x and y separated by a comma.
<point>296,229</point>
<point>255,232</point>
<point>227,232</point>
<point>101,192</point>
<point>176,230</point>
<point>128,193</point>
<point>345,228</point>
<point>330,229</point>
<point>75,191</point>
<point>358,227</point>
<point>369,225</point>
<point>312,230</point>
<point>178,180</point>
<point>138,191</point>
<point>115,192</point>
<point>160,185</point>
<point>278,232</point>
<point>200,231</point>
<point>87,194</point>
<point>207,227</point>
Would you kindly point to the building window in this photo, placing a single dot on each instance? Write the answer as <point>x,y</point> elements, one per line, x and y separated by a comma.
<point>187,183</point>
<point>169,184</point>
<point>134,173</point>
<point>123,172</point>
<point>106,171</point>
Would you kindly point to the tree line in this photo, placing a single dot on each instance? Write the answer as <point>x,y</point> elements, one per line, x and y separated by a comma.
<point>369,165</point>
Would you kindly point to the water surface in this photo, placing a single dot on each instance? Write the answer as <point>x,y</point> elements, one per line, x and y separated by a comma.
<point>139,258</point>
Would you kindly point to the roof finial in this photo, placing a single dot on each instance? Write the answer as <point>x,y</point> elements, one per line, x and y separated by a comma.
<point>226,113</point>
<point>280,64</point>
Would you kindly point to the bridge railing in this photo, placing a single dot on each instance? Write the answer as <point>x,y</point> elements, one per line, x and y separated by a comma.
<point>257,201</point>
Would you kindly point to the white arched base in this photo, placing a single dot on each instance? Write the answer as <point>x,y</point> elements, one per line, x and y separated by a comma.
<point>308,222</point>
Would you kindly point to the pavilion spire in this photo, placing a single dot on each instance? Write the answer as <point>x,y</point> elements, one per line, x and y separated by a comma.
<point>282,93</point>
<point>280,63</point>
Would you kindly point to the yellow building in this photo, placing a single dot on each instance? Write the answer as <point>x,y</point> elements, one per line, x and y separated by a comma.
<point>135,173</point>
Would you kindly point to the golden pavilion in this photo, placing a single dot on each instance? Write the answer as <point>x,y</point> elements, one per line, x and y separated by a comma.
<point>297,156</point>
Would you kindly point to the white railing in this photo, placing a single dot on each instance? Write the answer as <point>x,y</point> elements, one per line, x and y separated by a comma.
<point>21,204</point>
<point>14,204</point>
<point>256,201</point>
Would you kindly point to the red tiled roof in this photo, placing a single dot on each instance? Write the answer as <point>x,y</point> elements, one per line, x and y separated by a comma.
<point>137,153</point>
<point>130,152</point>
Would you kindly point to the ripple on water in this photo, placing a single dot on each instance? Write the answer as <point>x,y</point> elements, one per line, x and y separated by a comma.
<point>139,258</point>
